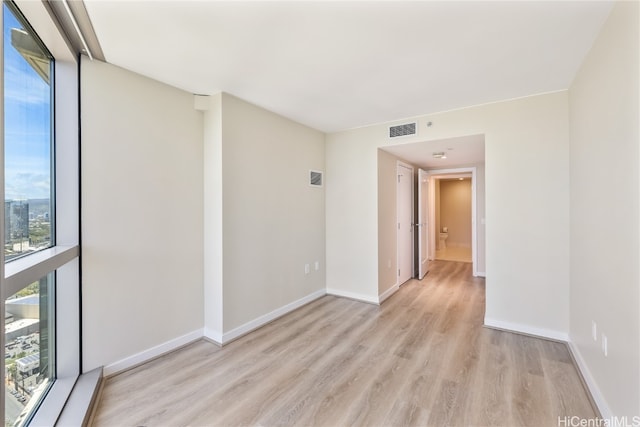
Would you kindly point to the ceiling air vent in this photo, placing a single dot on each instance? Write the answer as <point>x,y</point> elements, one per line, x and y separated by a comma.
<point>406,129</point>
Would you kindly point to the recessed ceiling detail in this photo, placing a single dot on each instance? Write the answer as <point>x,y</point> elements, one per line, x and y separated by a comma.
<point>460,151</point>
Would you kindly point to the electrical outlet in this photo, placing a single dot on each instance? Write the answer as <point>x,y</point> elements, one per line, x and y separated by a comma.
<point>604,345</point>
<point>317,265</point>
<point>306,269</point>
<point>594,330</point>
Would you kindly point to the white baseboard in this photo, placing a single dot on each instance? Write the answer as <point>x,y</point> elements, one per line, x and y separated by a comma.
<point>153,352</point>
<point>269,317</point>
<point>592,385</point>
<point>598,398</point>
<point>213,335</point>
<point>353,295</point>
<point>216,336</point>
<point>526,329</point>
<point>481,274</point>
<point>386,294</point>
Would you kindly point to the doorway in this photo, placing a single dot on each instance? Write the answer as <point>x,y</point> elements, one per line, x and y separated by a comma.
<point>404,214</point>
<point>452,215</point>
<point>461,152</point>
<point>422,225</point>
<point>453,219</point>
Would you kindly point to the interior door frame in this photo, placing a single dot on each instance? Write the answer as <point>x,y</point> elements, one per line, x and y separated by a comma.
<point>433,175</point>
<point>399,164</point>
<point>423,226</point>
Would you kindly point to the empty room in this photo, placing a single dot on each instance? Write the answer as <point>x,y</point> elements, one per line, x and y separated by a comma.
<point>321,213</point>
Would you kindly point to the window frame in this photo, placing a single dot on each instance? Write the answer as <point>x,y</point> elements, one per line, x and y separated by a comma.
<point>64,257</point>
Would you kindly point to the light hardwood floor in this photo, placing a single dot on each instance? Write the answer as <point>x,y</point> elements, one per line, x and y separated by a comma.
<point>423,358</point>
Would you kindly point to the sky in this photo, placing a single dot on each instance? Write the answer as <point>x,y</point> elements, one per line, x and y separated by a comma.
<point>27,123</point>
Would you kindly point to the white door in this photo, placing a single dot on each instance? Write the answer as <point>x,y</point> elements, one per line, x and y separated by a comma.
<point>423,223</point>
<point>405,219</point>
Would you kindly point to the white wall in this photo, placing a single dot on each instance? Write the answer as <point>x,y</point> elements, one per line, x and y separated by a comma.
<point>142,182</point>
<point>527,202</point>
<point>213,232</point>
<point>436,206</point>
<point>605,217</point>
<point>352,213</point>
<point>272,221</point>
<point>481,214</point>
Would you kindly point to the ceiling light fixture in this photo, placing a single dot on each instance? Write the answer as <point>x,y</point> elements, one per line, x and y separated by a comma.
<point>439,155</point>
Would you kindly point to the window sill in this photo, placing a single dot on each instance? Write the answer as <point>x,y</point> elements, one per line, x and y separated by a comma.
<point>34,266</point>
<point>69,402</point>
<point>77,411</point>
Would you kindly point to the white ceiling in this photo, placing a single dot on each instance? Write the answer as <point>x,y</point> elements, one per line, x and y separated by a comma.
<point>337,65</point>
<point>466,150</point>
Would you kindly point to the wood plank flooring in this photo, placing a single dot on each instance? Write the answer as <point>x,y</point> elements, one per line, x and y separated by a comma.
<point>423,358</point>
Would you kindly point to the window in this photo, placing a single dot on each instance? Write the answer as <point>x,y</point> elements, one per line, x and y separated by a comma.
<point>39,264</point>
<point>28,102</point>
<point>29,354</point>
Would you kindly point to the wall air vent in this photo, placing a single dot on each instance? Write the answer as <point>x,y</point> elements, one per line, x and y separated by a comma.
<point>315,178</point>
<point>406,129</point>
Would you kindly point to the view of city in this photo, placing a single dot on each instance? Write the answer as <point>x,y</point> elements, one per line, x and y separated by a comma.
<point>27,229</point>
<point>27,226</point>
<point>26,349</point>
